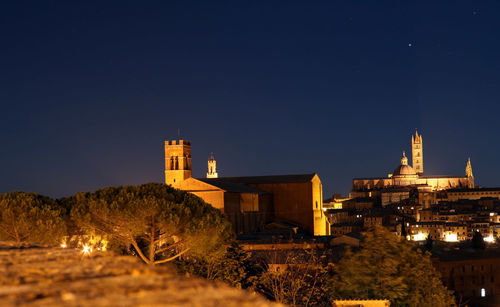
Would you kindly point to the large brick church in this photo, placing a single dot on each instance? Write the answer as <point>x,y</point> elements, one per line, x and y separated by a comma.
<point>251,202</point>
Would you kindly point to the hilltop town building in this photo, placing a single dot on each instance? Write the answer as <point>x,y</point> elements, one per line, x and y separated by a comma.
<point>405,178</point>
<point>251,202</point>
<point>443,208</point>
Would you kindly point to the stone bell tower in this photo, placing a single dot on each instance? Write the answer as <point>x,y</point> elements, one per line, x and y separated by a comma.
<point>470,176</point>
<point>212,167</point>
<point>417,154</point>
<point>177,161</point>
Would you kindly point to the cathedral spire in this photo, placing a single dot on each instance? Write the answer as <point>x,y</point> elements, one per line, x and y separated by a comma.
<point>468,173</point>
<point>212,167</point>
<point>417,153</point>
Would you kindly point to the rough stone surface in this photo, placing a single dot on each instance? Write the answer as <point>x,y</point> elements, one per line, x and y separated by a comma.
<point>50,276</point>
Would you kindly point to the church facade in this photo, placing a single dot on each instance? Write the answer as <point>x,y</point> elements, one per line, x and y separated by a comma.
<point>251,202</point>
<point>405,178</point>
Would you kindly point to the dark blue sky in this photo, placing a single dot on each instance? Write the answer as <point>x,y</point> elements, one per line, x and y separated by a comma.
<point>89,91</point>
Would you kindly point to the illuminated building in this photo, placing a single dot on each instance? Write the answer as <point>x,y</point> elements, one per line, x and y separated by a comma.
<point>405,178</point>
<point>251,202</point>
<point>212,167</point>
<point>177,161</point>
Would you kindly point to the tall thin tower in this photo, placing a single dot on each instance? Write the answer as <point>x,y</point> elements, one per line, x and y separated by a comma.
<point>470,176</point>
<point>417,154</point>
<point>212,167</point>
<point>177,161</point>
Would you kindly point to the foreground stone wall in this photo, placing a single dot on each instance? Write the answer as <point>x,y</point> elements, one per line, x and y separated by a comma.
<point>48,276</point>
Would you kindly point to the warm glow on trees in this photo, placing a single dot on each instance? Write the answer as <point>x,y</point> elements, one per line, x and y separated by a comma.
<point>159,222</point>
<point>29,217</point>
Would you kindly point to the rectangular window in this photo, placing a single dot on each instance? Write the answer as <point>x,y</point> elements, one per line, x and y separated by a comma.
<point>483,292</point>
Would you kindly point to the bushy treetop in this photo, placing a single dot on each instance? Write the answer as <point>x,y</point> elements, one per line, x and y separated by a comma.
<point>160,222</point>
<point>387,267</point>
<point>30,217</point>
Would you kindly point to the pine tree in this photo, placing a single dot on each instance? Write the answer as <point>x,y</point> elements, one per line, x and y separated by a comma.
<point>387,267</point>
<point>160,223</point>
<point>29,217</point>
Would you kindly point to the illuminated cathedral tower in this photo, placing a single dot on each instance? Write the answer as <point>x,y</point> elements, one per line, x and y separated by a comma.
<point>417,155</point>
<point>177,161</point>
<point>212,167</point>
<point>470,176</point>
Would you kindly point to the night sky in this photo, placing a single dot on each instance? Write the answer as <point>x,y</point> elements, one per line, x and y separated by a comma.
<point>90,90</point>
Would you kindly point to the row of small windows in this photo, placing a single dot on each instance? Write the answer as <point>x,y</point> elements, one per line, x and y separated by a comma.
<point>472,268</point>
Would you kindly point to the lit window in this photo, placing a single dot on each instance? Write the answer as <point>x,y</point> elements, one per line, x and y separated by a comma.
<point>483,292</point>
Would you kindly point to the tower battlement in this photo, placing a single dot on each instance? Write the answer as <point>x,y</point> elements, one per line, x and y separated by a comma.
<point>177,161</point>
<point>178,142</point>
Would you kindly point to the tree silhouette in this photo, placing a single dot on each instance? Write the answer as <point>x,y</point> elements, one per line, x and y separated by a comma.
<point>29,217</point>
<point>159,222</point>
<point>478,241</point>
<point>387,267</point>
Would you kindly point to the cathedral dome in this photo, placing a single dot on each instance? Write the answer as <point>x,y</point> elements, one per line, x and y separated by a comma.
<point>404,169</point>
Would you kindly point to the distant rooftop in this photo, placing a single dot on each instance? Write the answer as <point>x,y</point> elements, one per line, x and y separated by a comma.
<point>263,179</point>
<point>473,190</point>
<point>469,254</point>
<point>232,186</point>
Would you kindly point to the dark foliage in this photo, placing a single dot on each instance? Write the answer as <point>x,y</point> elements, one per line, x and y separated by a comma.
<point>29,217</point>
<point>478,241</point>
<point>296,279</point>
<point>391,268</point>
<point>155,221</point>
<point>235,267</point>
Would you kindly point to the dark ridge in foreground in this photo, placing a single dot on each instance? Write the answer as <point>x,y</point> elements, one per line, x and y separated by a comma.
<point>51,276</point>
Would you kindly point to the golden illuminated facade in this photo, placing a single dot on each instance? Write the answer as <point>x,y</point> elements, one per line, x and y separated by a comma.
<point>212,167</point>
<point>417,152</point>
<point>177,161</point>
<point>251,202</point>
<point>406,176</point>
